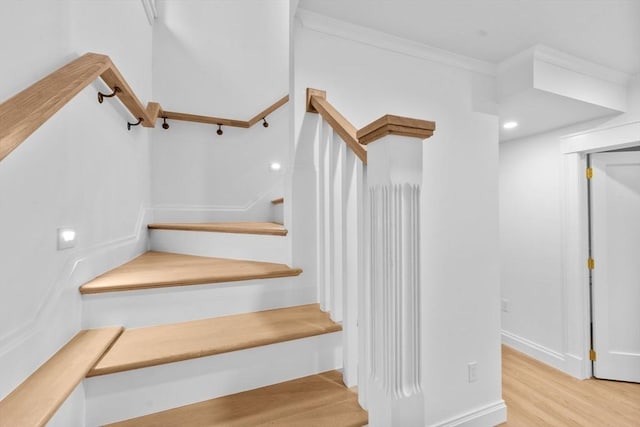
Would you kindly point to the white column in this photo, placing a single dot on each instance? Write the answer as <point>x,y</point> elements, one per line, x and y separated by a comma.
<point>395,397</point>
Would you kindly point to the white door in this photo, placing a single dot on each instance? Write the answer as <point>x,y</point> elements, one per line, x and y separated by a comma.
<point>615,228</point>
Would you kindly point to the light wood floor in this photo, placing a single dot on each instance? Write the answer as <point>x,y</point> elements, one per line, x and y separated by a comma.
<point>267,228</point>
<point>154,345</point>
<point>538,395</point>
<point>315,401</point>
<point>163,269</point>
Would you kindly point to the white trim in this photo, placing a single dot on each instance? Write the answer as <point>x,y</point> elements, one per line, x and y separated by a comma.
<point>579,65</point>
<point>324,24</point>
<point>604,138</point>
<point>490,415</point>
<point>150,10</point>
<point>535,350</point>
<point>77,270</point>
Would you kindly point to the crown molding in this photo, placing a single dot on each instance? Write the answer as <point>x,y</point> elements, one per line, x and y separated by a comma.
<point>335,27</point>
<point>579,65</point>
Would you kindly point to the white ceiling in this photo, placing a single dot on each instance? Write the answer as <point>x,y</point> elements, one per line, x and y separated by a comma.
<point>606,32</point>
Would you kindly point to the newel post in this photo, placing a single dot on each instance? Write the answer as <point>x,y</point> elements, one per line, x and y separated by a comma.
<point>394,179</point>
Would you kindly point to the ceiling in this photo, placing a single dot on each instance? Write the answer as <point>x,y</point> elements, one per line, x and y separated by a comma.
<point>606,32</point>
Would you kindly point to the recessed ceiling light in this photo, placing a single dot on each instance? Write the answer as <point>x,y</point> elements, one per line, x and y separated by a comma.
<point>510,125</point>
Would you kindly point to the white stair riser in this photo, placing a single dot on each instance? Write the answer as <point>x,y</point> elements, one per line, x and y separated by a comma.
<point>125,395</point>
<point>149,307</point>
<point>252,247</point>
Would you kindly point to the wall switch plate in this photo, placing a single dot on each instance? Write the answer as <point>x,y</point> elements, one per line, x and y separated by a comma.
<point>505,305</point>
<point>473,372</point>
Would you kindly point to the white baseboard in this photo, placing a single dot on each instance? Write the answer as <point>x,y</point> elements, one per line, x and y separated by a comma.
<point>535,350</point>
<point>486,416</point>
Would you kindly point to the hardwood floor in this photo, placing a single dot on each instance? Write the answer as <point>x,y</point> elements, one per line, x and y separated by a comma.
<point>538,395</point>
<point>315,401</point>
<point>155,345</point>
<point>163,269</point>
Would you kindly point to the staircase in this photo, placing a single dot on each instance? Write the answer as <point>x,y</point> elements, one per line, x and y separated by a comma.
<point>207,339</point>
<point>200,326</point>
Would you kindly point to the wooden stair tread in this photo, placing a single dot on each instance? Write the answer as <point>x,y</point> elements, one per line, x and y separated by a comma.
<point>155,345</point>
<point>163,269</point>
<point>316,400</point>
<point>278,201</point>
<point>35,401</point>
<point>266,228</point>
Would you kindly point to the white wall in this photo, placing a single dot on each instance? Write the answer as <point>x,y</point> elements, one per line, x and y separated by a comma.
<point>543,313</point>
<point>80,169</point>
<point>460,204</point>
<point>226,59</point>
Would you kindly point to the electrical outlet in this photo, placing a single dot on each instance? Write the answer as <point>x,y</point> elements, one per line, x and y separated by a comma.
<point>472,368</point>
<point>505,305</point>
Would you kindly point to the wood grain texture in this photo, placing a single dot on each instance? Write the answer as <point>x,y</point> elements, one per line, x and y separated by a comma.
<point>222,121</point>
<point>278,201</point>
<point>317,400</point>
<point>112,77</point>
<point>264,113</point>
<point>342,126</point>
<point>264,228</point>
<point>538,395</point>
<point>153,110</point>
<point>141,347</point>
<point>163,269</point>
<point>26,111</point>
<point>395,125</point>
<point>35,401</point>
<point>311,93</point>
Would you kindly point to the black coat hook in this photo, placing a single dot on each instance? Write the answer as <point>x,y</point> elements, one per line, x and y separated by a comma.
<point>264,122</point>
<point>101,95</point>
<point>140,120</point>
<point>165,125</point>
<point>219,131</point>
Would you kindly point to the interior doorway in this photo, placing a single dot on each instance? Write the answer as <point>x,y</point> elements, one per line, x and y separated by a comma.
<point>614,219</point>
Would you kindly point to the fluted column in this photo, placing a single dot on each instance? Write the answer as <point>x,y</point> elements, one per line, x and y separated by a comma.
<point>394,153</point>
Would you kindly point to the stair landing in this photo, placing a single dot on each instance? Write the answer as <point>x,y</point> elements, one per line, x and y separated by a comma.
<point>317,400</point>
<point>265,228</point>
<point>155,345</point>
<point>163,269</point>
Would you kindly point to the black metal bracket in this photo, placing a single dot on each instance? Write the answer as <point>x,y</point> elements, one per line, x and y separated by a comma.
<point>129,125</point>
<point>219,131</point>
<point>102,96</point>
<point>165,125</point>
<point>264,122</point>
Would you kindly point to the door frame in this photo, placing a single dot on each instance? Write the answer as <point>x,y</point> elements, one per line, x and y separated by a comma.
<point>575,237</point>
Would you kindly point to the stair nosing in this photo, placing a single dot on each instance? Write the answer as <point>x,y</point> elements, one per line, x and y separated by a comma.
<point>277,271</point>
<point>313,330</point>
<point>202,227</point>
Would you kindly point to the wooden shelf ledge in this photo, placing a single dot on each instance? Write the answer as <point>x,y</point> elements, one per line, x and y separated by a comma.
<point>155,345</point>
<point>262,228</point>
<point>36,400</point>
<point>163,269</point>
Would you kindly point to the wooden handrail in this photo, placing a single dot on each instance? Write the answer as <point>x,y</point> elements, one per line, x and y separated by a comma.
<point>222,121</point>
<point>355,139</point>
<point>26,111</point>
